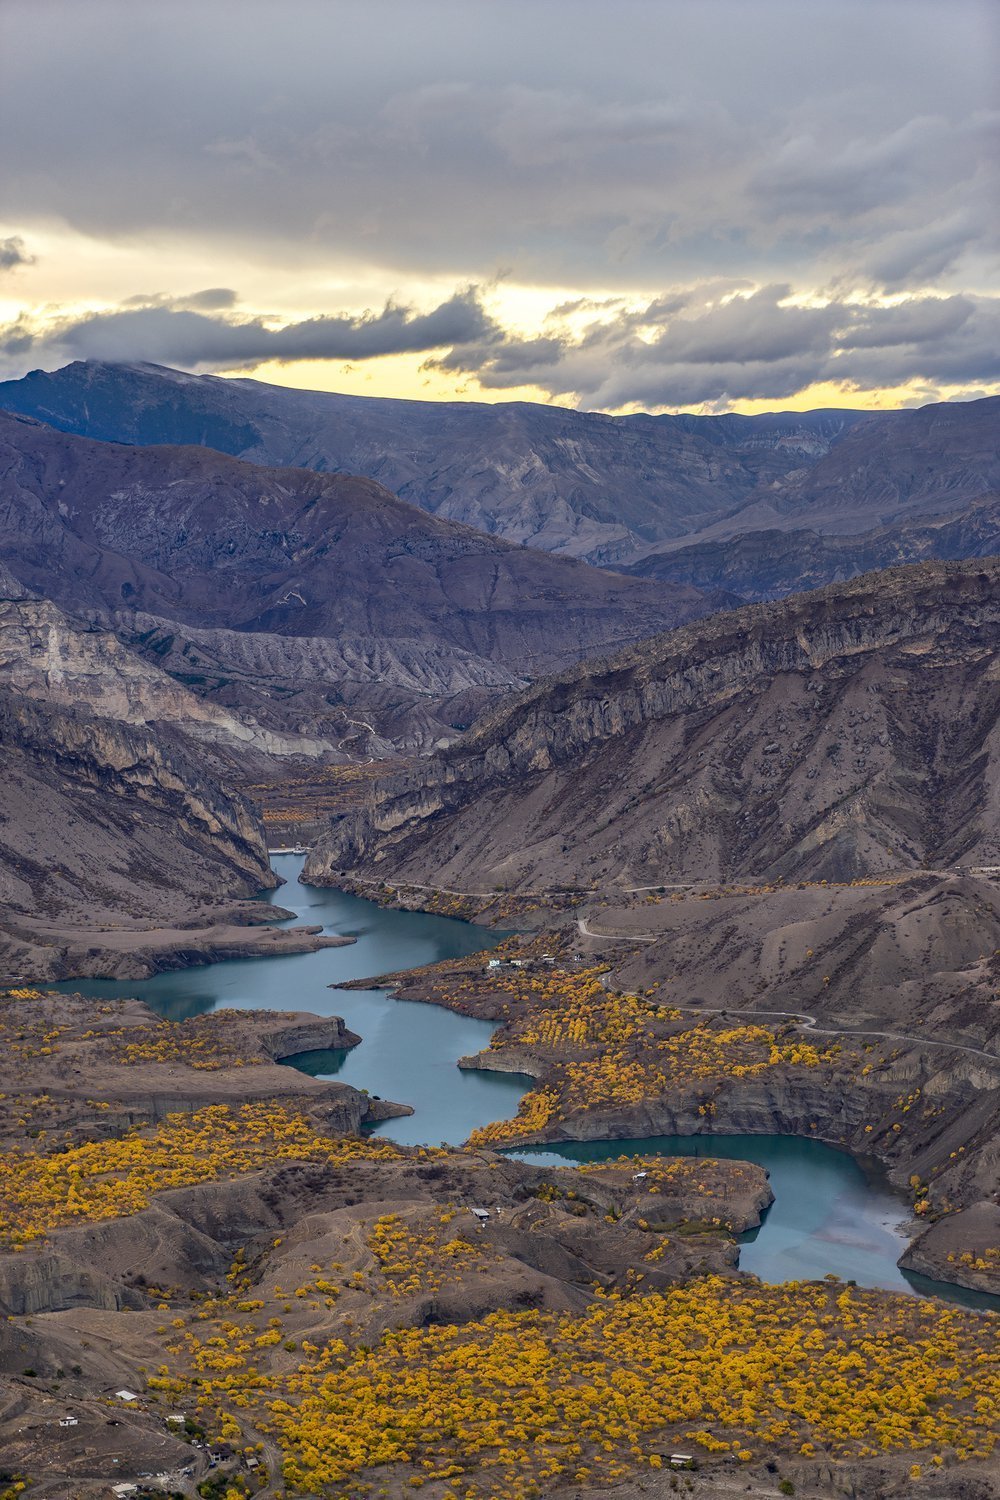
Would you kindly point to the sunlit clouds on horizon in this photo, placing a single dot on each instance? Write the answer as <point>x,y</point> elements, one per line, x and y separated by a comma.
<point>731,204</point>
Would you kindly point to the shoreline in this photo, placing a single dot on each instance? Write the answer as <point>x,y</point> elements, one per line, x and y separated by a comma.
<point>840,1115</point>
<point>551,1230</point>
<point>61,955</point>
<point>747,1116</point>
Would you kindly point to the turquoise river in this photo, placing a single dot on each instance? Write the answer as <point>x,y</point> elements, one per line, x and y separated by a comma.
<point>829,1214</point>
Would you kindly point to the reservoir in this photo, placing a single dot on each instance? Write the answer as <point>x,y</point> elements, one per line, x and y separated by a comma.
<point>828,1216</point>
<point>408,1051</point>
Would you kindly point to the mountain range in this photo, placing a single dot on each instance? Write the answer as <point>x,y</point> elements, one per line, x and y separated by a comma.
<point>175,620</point>
<point>686,498</point>
<point>315,606</point>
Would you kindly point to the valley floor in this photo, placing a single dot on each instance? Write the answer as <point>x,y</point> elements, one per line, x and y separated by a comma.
<point>327,1314</point>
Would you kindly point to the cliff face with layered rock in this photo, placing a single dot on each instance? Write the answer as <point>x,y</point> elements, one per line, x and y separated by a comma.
<point>836,734</point>
<point>108,833</point>
<point>47,658</point>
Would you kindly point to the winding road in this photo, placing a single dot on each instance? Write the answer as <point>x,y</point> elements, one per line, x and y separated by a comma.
<point>804,1021</point>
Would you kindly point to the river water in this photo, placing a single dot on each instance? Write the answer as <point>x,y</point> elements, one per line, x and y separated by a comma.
<point>828,1215</point>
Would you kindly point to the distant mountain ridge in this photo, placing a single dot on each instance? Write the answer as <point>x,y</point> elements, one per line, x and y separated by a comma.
<point>593,486</point>
<point>768,564</point>
<point>319,605</point>
<point>612,490</point>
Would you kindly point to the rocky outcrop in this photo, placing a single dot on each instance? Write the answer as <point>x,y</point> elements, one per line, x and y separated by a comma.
<point>368,696</point>
<point>836,734</point>
<point>106,825</point>
<point>292,1034</point>
<point>181,1239</point>
<point>962,1247</point>
<point>46,657</point>
<point>148,775</point>
<point>116,836</point>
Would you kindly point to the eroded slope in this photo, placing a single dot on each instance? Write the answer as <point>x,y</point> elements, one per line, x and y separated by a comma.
<point>841,733</point>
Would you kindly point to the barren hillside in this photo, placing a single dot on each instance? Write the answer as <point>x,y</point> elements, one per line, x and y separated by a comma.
<point>841,733</point>
<point>318,605</point>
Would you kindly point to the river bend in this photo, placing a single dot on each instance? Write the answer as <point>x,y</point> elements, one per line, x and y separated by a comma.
<point>828,1216</point>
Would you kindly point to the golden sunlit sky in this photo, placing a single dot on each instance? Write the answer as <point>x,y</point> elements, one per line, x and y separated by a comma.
<point>696,205</point>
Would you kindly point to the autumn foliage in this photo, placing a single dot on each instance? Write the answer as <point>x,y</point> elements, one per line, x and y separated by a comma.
<point>107,1179</point>
<point>516,1401</point>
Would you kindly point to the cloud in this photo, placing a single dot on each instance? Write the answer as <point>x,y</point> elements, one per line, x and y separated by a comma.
<point>713,201</point>
<point>209,299</point>
<point>178,333</point>
<point>711,343</point>
<point>760,328</point>
<point>748,346</point>
<point>809,176</point>
<point>212,299</point>
<point>13,254</point>
<point>771,142</point>
<point>921,322</point>
<point>925,253</point>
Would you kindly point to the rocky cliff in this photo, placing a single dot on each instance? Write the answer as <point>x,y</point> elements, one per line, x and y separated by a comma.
<point>835,734</point>
<point>48,658</point>
<point>108,831</point>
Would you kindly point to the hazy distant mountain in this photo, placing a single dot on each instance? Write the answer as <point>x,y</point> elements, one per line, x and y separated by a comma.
<point>590,485</point>
<point>888,468</point>
<point>770,563</point>
<point>613,490</point>
<point>320,605</point>
<point>838,733</point>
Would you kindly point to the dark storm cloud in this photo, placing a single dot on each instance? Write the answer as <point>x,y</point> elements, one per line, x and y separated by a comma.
<point>177,333</point>
<point>580,143</point>
<point>13,253</point>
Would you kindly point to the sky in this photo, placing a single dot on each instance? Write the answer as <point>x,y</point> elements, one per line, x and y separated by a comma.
<point>618,205</point>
